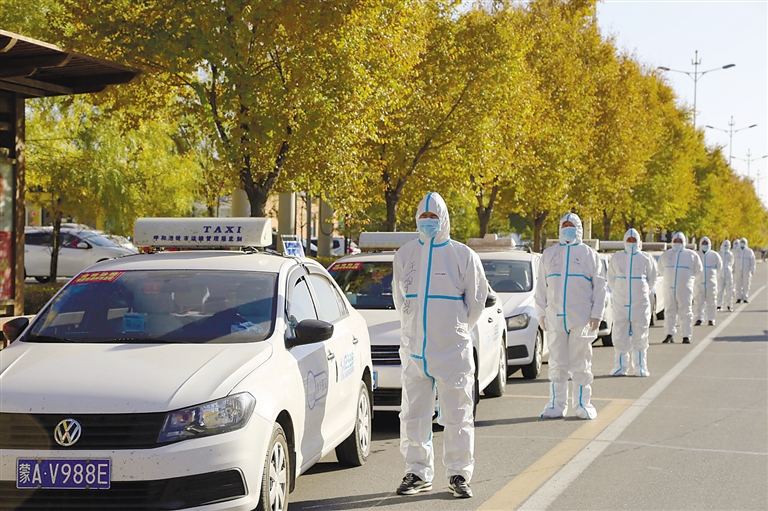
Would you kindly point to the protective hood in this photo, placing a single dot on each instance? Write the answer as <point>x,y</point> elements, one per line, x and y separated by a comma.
<point>576,221</point>
<point>725,246</point>
<point>746,243</point>
<point>632,233</point>
<point>701,242</point>
<point>433,203</point>
<point>680,236</point>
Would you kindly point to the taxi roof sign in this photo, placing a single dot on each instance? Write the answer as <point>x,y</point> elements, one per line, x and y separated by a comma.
<point>370,241</point>
<point>594,244</point>
<point>491,242</point>
<point>619,245</point>
<point>203,232</point>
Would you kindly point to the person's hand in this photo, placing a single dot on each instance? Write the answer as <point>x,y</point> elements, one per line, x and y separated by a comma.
<point>594,323</point>
<point>542,324</point>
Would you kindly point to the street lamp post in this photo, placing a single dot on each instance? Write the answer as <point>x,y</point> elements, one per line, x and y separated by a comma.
<point>749,160</point>
<point>730,132</point>
<point>695,77</point>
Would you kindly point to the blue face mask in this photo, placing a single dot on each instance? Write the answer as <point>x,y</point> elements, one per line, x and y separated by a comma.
<point>743,245</point>
<point>568,233</point>
<point>630,247</point>
<point>429,227</point>
<point>677,247</point>
<point>704,248</point>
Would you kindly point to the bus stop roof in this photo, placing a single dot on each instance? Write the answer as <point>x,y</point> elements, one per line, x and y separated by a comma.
<point>33,69</point>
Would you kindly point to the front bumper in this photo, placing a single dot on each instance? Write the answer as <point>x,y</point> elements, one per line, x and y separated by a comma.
<point>520,345</point>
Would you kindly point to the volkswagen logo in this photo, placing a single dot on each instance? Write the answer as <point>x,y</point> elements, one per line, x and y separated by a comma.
<point>67,432</point>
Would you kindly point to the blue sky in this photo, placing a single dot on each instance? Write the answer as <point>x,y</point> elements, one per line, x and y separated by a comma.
<point>669,32</point>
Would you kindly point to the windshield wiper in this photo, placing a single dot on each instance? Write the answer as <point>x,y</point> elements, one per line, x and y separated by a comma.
<point>47,338</point>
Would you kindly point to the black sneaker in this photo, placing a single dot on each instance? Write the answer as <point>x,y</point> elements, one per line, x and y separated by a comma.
<point>719,308</point>
<point>667,339</point>
<point>686,340</point>
<point>711,323</point>
<point>698,322</point>
<point>745,300</point>
<point>412,484</point>
<point>730,309</point>
<point>459,487</point>
<point>738,301</point>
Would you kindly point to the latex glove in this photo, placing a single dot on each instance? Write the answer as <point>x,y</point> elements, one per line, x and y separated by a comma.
<point>594,323</point>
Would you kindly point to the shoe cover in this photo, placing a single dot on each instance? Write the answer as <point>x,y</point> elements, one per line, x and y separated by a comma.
<point>558,404</point>
<point>581,402</point>
<point>640,362</point>
<point>621,364</point>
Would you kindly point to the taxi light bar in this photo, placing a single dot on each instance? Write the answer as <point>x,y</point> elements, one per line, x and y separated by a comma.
<point>370,241</point>
<point>595,244</point>
<point>491,242</point>
<point>203,232</point>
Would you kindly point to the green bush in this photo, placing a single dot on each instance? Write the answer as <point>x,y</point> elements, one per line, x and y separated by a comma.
<point>37,295</point>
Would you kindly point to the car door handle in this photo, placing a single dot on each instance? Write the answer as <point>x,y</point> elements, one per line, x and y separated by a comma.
<point>490,320</point>
<point>355,340</point>
<point>331,356</point>
<point>498,310</point>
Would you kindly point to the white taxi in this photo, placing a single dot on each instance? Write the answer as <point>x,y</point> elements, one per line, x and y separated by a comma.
<point>366,280</point>
<point>188,379</point>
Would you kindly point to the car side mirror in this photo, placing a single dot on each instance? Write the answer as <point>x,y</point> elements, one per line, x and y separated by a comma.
<point>13,328</point>
<point>83,244</point>
<point>490,300</point>
<point>310,331</point>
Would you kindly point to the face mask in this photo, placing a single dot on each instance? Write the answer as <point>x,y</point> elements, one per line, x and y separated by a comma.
<point>677,247</point>
<point>568,233</point>
<point>704,248</point>
<point>743,245</point>
<point>631,248</point>
<point>429,227</point>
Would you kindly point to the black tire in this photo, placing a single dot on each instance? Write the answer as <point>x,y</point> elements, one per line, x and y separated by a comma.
<point>660,315</point>
<point>608,339</point>
<point>532,370</point>
<point>275,482</point>
<point>43,280</point>
<point>354,451</point>
<point>499,384</point>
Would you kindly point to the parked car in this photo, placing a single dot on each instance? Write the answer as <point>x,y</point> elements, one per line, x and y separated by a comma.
<point>337,248</point>
<point>79,248</point>
<point>366,280</point>
<point>195,379</point>
<point>512,273</point>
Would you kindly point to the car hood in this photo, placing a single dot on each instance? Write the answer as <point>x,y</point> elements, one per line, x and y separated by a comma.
<point>112,378</point>
<point>383,326</point>
<point>514,303</point>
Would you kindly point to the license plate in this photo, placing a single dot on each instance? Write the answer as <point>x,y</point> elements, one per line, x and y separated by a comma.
<point>85,474</point>
<point>375,380</point>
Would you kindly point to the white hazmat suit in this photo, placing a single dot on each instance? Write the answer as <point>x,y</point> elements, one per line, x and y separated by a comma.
<point>570,293</point>
<point>439,288</point>
<point>632,275</point>
<point>725,279</point>
<point>680,268</point>
<point>706,285</point>
<point>743,268</point>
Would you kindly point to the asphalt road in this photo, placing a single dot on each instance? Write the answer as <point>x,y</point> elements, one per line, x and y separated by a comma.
<point>693,435</point>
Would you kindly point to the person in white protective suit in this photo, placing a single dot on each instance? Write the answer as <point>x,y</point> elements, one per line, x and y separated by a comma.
<point>570,298</point>
<point>725,279</point>
<point>706,285</point>
<point>632,275</point>
<point>743,268</point>
<point>680,267</point>
<point>439,288</point>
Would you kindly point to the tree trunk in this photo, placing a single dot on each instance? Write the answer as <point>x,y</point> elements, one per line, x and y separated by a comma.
<point>392,197</point>
<point>606,226</point>
<point>538,222</point>
<point>484,213</point>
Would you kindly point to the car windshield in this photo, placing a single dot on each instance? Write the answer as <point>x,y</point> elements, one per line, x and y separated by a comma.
<point>179,306</point>
<point>507,276</point>
<point>98,240</point>
<point>367,285</point>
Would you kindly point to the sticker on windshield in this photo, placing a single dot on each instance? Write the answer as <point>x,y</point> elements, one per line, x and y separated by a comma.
<point>247,326</point>
<point>347,266</point>
<point>97,276</point>
<point>134,322</point>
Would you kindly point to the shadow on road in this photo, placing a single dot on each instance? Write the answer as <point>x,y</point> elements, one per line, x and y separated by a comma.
<point>744,338</point>
<point>373,500</point>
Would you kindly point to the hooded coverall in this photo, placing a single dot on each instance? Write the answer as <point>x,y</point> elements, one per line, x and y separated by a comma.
<point>706,285</point>
<point>631,277</point>
<point>569,293</point>
<point>743,267</point>
<point>680,269</point>
<point>439,288</point>
<point>725,279</point>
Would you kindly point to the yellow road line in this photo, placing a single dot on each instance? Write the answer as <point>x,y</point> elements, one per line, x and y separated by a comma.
<point>521,487</point>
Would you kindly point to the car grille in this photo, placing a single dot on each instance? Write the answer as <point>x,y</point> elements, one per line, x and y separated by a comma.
<point>385,355</point>
<point>387,397</point>
<point>176,493</point>
<point>99,431</point>
<point>515,352</point>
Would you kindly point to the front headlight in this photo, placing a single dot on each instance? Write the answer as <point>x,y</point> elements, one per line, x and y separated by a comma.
<point>518,322</point>
<point>227,414</point>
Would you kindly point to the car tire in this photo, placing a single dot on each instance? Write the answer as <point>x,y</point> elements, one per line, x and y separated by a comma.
<point>43,280</point>
<point>532,370</point>
<point>275,481</point>
<point>660,314</point>
<point>354,451</point>
<point>608,339</point>
<point>499,384</point>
